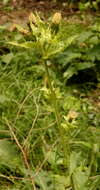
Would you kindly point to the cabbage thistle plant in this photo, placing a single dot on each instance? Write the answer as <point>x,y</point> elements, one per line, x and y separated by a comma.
<point>47,42</point>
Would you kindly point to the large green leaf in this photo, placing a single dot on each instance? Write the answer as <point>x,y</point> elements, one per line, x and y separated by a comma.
<point>80,179</point>
<point>62,182</point>
<point>74,159</point>
<point>7,58</point>
<point>9,155</point>
<point>84,36</point>
<point>93,53</point>
<point>84,65</point>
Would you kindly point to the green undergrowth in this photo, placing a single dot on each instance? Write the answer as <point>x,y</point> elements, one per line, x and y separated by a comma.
<point>32,155</point>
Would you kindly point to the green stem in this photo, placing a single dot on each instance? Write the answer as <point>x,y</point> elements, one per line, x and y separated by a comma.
<point>53,95</point>
<point>58,120</point>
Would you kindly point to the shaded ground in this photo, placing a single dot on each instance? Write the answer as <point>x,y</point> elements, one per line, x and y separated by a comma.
<point>20,10</point>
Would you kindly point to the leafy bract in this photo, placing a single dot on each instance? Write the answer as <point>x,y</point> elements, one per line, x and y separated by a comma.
<point>44,40</point>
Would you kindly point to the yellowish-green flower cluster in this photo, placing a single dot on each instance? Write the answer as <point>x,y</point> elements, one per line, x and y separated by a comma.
<point>56,19</point>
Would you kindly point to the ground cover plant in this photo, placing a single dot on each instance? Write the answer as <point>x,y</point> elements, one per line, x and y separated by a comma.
<point>49,134</point>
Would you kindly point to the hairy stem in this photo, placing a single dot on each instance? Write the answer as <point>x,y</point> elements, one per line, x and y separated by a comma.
<point>57,115</point>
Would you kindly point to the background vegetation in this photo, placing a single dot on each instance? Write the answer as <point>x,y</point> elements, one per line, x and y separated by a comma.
<point>50,103</point>
<point>81,4</point>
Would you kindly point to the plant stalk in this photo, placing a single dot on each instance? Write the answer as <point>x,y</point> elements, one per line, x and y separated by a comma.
<point>57,116</point>
<point>53,95</point>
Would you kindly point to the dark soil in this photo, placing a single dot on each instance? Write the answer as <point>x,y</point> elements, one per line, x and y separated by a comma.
<point>19,10</point>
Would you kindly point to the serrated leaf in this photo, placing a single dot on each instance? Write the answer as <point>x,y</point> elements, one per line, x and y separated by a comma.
<point>69,41</point>
<point>43,178</point>
<point>21,29</point>
<point>84,36</point>
<point>67,57</point>
<point>26,45</point>
<point>80,179</point>
<point>9,155</point>
<point>94,53</point>
<point>96,27</point>
<point>62,182</point>
<point>7,58</point>
<point>3,99</point>
<point>70,72</point>
<point>71,103</point>
<point>94,40</point>
<point>84,65</point>
<point>74,159</point>
<point>86,144</point>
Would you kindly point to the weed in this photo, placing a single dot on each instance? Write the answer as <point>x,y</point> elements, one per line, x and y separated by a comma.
<point>49,135</point>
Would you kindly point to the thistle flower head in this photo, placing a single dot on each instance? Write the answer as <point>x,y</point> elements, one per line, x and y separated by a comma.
<point>32,18</point>
<point>56,19</point>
